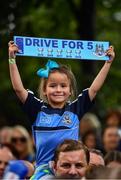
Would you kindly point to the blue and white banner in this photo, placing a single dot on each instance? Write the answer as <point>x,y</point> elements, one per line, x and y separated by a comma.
<point>61,48</point>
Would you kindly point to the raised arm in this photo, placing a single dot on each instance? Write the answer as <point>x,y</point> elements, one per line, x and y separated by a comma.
<point>14,73</point>
<point>99,80</point>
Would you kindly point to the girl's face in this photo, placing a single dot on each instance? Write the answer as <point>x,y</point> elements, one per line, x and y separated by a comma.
<point>57,89</point>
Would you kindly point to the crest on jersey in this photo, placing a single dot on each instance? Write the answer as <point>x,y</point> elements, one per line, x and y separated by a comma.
<point>66,119</point>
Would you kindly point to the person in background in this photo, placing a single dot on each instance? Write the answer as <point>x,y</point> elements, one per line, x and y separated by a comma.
<point>96,163</point>
<point>113,118</point>
<point>11,148</point>
<point>110,139</point>
<point>115,173</point>
<point>96,158</point>
<point>5,135</point>
<point>90,139</point>
<point>18,169</point>
<point>21,141</point>
<point>5,156</point>
<point>90,122</point>
<point>8,155</point>
<point>101,172</point>
<point>113,159</point>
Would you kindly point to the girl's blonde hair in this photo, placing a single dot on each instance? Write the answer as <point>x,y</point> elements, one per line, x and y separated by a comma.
<point>61,69</point>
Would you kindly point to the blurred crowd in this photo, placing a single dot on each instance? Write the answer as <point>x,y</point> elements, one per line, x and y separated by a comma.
<point>100,142</point>
<point>16,143</point>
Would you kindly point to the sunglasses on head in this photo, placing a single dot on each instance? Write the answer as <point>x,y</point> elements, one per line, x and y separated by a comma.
<point>20,139</point>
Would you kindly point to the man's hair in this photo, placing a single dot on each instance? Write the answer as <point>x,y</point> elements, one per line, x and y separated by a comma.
<point>102,172</point>
<point>64,70</point>
<point>71,145</point>
<point>112,156</point>
<point>96,151</point>
<point>96,172</point>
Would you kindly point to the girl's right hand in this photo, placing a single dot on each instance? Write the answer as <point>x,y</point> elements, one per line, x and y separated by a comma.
<point>13,49</point>
<point>111,53</point>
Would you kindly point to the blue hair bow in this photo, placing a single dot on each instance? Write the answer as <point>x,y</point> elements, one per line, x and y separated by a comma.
<point>44,72</point>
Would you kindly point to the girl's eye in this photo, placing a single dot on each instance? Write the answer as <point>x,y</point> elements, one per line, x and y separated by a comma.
<point>63,85</point>
<point>52,85</point>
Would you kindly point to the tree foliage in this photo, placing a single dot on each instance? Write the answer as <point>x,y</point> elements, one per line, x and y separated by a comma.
<point>71,19</point>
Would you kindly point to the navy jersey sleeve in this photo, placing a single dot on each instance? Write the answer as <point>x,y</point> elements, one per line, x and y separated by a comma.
<point>82,104</point>
<point>32,106</point>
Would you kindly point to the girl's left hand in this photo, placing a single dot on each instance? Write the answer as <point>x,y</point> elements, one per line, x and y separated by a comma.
<point>110,52</point>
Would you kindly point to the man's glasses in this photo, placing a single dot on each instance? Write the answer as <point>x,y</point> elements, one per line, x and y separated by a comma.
<point>18,139</point>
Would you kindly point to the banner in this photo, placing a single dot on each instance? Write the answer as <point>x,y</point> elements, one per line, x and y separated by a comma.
<point>61,48</point>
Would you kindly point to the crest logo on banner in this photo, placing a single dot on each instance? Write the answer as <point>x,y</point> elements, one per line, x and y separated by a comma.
<point>20,43</point>
<point>61,48</point>
<point>99,50</point>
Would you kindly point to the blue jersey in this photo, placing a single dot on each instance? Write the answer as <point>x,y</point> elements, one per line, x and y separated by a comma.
<point>52,125</point>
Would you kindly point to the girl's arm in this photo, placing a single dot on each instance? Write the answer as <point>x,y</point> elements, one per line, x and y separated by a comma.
<point>99,80</point>
<point>14,73</point>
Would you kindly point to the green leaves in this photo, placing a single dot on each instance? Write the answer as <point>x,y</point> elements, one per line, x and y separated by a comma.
<point>61,19</point>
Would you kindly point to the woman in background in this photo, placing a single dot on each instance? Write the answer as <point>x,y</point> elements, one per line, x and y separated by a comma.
<point>22,142</point>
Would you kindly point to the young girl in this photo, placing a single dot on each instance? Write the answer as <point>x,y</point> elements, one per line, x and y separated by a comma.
<point>53,118</point>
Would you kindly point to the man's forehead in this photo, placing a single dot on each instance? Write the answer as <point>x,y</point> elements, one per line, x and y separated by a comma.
<point>72,155</point>
<point>111,130</point>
